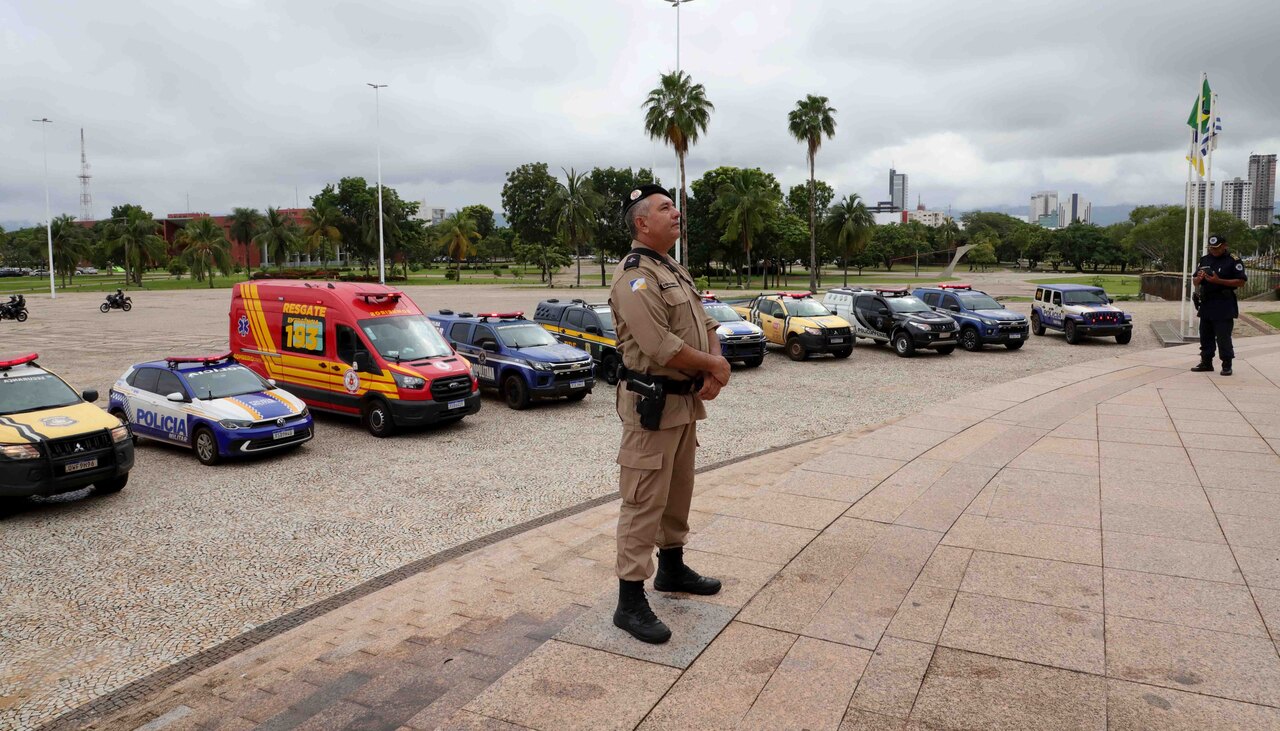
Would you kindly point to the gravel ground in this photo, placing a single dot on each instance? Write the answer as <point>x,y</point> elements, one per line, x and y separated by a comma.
<point>96,592</point>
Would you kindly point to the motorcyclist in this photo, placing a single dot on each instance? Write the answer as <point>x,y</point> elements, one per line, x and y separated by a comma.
<point>117,299</point>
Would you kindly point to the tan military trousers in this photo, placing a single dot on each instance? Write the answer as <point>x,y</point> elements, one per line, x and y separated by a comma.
<point>657,487</point>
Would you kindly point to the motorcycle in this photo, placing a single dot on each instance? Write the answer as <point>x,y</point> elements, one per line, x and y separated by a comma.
<point>116,302</point>
<point>14,309</point>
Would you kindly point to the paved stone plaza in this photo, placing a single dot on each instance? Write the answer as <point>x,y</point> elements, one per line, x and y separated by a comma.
<point>1090,547</point>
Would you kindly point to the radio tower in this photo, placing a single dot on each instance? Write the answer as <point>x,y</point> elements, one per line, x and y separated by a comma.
<point>86,198</point>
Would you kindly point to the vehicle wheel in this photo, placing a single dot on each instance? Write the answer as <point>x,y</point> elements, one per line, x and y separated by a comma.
<point>126,306</point>
<point>115,484</point>
<point>1124,337</point>
<point>376,417</point>
<point>1069,329</point>
<point>10,506</point>
<point>104,308</point>
<point>124,419</point>
<point>578,396</point>
<point>21,316</point>
<point>1037,327</point>
<point>969,340</point>
<point>206,447</point>
<point>608,369</point>
<point>1014,346</point>
<point>795,349</point>
<point>515,392</point>
<point>752,362</point>
<point>842,354</point>
<point>903,345</point>
<point>947,349</point>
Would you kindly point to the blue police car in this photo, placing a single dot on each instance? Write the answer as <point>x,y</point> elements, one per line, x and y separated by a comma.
<point>519,358</point>
<point>739,340</point>
<point>982,319</point>
<point>211,404</point>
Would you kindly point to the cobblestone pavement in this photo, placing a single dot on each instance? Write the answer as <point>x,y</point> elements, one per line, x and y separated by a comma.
<point>96,593</point>
<point>1085,548</point>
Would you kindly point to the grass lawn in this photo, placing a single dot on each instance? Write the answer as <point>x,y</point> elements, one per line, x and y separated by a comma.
<point>1271,318</point>
<point>1116,285</point>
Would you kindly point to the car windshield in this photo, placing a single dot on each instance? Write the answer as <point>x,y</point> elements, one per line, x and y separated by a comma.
<point>34,392</point>
<point>979,301</point>
<point>405,338</point>
<point>224,382</point>
<point>1084,297</point>
<point>606,317</point>
<point>525,335</point>
<point>806,308</point>
<point>907,304</point>
<point>723,313</point>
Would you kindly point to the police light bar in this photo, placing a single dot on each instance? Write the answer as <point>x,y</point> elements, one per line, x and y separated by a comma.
<point>502,315</point>
<point>201,359</point>
<point>955,286</point>
<point>709,296</point>
<point>394,295</point>
<point>20,360</point>
<point>794,295</point>
<point>892,292</point>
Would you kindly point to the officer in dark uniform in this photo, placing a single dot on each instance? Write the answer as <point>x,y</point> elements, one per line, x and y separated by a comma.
<point>1218,275</point>
<point>671,365</point>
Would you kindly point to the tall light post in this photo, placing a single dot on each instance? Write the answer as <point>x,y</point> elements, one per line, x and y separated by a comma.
<point>48,220</point>
<point>377,116</point>
<point>676,4</point>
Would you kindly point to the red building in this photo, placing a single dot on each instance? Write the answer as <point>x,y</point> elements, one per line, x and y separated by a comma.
<point>244,254</point>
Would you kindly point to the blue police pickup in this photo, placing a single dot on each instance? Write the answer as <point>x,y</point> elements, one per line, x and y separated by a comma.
<point>739,340</point>
<point>519,358</point>
<point>982,320</point>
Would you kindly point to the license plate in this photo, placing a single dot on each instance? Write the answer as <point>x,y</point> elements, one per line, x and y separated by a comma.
<point>282,434</point>
<point>457,404</point>
<point>837,340</point>
<point>1015,336</point>
<point>84,464</point>
<point>944,336</point>
<point>577,384</point>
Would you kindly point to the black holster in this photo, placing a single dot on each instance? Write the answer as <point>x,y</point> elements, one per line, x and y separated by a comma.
<point>653,399</point>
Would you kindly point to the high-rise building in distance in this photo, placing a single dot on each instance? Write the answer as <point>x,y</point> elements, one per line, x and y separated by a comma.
<point>898,189</point>
<point>1237,198</point>
<point>1195,194</point>
<point>1074,208</point>
<point>1044,203</point>
<point>1262,173</point>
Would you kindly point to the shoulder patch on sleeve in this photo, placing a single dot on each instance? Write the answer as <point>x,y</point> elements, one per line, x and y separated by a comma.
<point>631,262</point>
<point>638,284</point>
<point>1236,257</point>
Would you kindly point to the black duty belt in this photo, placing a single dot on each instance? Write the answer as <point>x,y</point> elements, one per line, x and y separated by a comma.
<point>669,385</point>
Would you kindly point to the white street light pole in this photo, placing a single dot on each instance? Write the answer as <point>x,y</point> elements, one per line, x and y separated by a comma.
<point>48,221</point>
<point>377,116</point>
<point>679,250</point>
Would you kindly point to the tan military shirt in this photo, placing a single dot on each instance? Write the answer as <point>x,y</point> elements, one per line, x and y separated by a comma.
<point>657,310</point>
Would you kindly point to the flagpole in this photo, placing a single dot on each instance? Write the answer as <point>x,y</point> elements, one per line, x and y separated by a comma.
<point>1211,142</point>
<point>1184,322</point>
<point>1190,237</point>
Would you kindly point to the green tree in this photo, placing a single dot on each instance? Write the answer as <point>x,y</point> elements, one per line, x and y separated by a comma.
<point>548,256</point>
<point>811,120</point>
<point>798,200</point>
<point>483,216</point>
<point>245,223</point>
<point>321,233</point>
<point>677,112</point>
<point>888,244</point>
<point>70,245</point>
<point>278,236</point>
<point>611,235</point>
<point>457,237</point>
<point>743,209</point>
<point>358,202</point>
<point>205,249</point>
<point>132,239</point>
<point>850,224</point>
<point>707,241</point>
<point>524,202</point>
<point>983,255</point>
<point>574,206</point>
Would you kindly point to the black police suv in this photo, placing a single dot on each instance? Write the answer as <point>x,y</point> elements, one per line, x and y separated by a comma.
<point>893,316</point>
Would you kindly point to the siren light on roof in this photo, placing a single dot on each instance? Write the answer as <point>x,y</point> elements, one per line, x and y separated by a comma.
<point>957,285</point>
<point>20,360</point>
<point>174,360</point>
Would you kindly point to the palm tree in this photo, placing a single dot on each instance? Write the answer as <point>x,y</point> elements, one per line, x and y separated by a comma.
<point>808,122</point>
<point>677,112</point>
<point>205,249</point>
<point>278,236</point>
<point>849,223</point>
<point>69,245</point>
<point>574,205</point>
<point>743,205</point>
<point>457,236</point>
<point>245,223</point>
<point>321,233</point>
<point>135,241</point>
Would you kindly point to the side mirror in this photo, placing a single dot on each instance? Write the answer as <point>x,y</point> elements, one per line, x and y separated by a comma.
<point>593,330</point>
<point>953,308</point>
<point>884,310</point>
<point>363,362</point>
<point>834,312</point>
<point>489,346</point>
<point>176,397</point>
<point>272,381</point>
<point>89,395</point>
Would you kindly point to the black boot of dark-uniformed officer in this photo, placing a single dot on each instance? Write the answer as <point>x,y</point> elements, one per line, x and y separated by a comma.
<point>1204,366</point>
<point>673,575</point>
<point>634,615</point>
<point>1226,367</point>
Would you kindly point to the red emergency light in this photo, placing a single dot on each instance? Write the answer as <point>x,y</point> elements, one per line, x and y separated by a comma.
<point>955,286</point>
<point>174,360</point>
<point>502,315</point>
<point>20,360</point>
<point>794,295</point>
<point>709,296</point>
<point>393,295</point>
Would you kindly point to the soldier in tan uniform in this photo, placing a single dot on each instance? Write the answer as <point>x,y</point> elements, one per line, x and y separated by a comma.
<point>671,364</point>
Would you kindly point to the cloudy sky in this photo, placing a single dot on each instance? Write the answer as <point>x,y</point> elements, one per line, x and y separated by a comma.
<point>243,103</point>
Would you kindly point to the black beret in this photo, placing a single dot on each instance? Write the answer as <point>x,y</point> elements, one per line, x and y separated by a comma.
<point>639,194</point>
<point>1217,239</point>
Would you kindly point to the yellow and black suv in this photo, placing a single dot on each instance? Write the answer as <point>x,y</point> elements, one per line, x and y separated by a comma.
<point>586,326</point>
<point>799,323</point>
<point>54,440</point>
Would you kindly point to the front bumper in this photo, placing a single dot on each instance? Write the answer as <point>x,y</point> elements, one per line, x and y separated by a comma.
<point>49,476</point>
<point>1103,329</point>
<point>933,338</point>
<point>564,388</point>
<point>244,442</point>
<point>415,413</point>
<point>825,343</point>
<point>741,349</point>
<point>1004,334</point>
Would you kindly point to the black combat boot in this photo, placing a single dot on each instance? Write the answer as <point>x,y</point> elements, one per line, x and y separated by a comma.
<point>1226,367</point>
<point>673,575</point>
<point>634,615</point>
<point>1205,366</point>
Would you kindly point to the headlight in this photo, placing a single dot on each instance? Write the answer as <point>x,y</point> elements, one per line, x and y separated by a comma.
<point>920,325</point>
<point>120,434</point>
<point>539,365</point>
<point>813,330</point>
<point>235,423</point>
<point>19,451</point>
<point>304,413</point>
<point>722,331</point>
<point>412,383</point>
<point>988,323</point>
